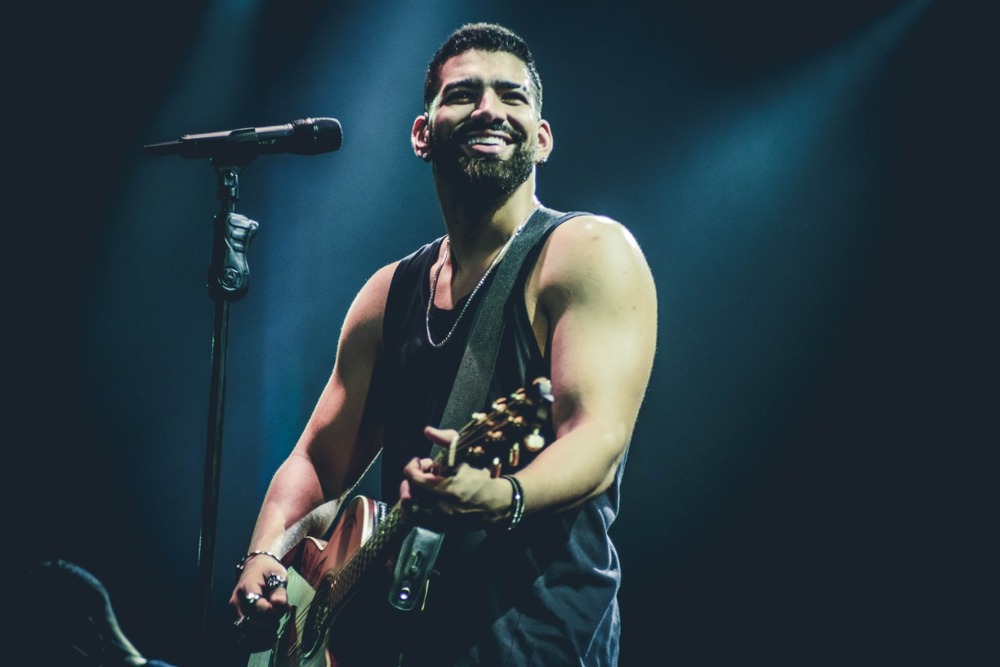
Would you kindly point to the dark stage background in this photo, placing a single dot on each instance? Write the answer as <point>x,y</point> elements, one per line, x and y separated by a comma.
<point>808,180</point>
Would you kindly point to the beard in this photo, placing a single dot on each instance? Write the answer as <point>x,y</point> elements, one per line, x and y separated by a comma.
<point>476,178</point>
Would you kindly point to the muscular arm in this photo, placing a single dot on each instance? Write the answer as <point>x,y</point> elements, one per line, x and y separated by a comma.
<point>596,295</point>
<point>333,450</point>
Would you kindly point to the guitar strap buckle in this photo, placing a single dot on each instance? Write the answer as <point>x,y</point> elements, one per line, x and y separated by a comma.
<point>416,559</point>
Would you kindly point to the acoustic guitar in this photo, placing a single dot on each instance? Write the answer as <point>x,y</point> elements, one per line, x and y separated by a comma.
<point>338,588</point>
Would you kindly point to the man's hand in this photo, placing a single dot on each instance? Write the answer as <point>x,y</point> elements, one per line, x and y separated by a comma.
<point>468,498</point>
<point>260,599</point>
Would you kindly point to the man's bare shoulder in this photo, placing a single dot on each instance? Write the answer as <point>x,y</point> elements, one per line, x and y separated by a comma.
<point>369,304</point>
<point>590,227</point>
<point>594,245</point>
<point>380,280</point>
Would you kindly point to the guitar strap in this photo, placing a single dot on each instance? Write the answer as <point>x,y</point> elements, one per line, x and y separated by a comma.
<point>469,394</point>
<point>469,391</point>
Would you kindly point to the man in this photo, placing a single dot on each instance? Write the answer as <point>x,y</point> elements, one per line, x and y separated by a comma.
<point>582,313</point>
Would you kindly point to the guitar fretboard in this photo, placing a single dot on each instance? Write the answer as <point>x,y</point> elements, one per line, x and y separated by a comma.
<point>342,581</point>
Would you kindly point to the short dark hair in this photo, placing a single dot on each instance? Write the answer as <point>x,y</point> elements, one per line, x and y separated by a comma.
<point>481,37</point>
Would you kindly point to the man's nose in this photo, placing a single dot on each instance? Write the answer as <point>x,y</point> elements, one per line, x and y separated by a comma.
<point>488,107</point>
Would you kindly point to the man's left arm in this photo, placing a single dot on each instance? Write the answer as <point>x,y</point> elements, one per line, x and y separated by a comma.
<point>597,294</point>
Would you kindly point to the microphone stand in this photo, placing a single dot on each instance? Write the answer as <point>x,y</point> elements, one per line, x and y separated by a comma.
<point>228,281</point>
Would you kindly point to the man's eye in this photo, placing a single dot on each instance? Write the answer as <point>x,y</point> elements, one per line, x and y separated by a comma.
<point>515,98</point>
<point>458,97</point>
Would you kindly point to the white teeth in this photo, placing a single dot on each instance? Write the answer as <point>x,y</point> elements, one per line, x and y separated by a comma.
<point>489,141</point>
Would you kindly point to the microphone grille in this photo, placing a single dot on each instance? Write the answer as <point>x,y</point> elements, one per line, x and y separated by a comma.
<point>317,135</point>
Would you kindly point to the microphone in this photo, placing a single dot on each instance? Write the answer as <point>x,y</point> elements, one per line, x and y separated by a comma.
<point>308,136</point>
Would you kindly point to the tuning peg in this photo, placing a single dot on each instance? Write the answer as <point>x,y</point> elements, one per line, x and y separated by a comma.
<point>514,455</point>
<point>544,387</point>
<point>534,442</point>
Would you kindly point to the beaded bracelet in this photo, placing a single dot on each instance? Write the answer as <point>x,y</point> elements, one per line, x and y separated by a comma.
<point>252,554</point>
<point>518,500</point>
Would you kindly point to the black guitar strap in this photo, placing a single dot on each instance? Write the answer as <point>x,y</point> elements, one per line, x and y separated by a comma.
<point>469,394</point>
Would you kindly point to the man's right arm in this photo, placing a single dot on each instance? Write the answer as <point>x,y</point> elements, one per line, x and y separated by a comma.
<point>330,455</point>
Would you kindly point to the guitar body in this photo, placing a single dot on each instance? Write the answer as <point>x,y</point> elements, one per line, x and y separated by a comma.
<point>303,637</point>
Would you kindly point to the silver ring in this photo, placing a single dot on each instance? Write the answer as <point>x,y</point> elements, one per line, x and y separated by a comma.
<point>251,598</point>
<point>275,581</point>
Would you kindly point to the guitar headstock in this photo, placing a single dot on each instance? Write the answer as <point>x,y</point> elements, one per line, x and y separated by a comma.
<point>500,440</point>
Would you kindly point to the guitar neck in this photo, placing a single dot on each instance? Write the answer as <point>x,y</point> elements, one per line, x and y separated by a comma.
<point>343,580</point>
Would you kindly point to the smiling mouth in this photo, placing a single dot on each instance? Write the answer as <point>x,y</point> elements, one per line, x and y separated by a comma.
<point>482,140</point>
<point>485,146</point>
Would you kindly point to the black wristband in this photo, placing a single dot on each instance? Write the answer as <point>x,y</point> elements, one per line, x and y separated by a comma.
<point>518,502</point>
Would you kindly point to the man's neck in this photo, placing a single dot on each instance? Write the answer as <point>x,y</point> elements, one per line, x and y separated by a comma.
<point>478,230</point>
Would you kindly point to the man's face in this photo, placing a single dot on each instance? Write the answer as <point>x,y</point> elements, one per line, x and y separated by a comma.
<point>484,123</point>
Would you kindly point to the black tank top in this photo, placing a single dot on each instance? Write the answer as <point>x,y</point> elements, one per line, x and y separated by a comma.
<point>542,594</point>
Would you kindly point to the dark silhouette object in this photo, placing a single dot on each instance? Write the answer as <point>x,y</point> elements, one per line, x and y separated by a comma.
<point>70,611</point>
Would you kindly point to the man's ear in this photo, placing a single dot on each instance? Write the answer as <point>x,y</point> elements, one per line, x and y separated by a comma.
<point>420,137</point>
<point>545,142</point>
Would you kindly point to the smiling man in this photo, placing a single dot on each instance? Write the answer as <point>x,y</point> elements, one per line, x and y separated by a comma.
<point>526,574</point>
<point>500,133</point>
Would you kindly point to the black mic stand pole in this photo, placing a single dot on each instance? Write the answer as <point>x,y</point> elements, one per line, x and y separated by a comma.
<point>228,281</point>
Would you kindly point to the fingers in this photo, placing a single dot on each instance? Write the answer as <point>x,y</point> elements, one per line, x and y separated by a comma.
<point>413,495</point>
<point>274,581</point>
<point>260,608</point>
<point>249,602</point>
<point>419,469</point>
<point>440,436</point>
<point>259,614</point>
<point>260,597</point>
<point>419,475</point>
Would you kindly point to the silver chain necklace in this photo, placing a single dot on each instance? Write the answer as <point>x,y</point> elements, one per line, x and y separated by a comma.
<point>472,295</point>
